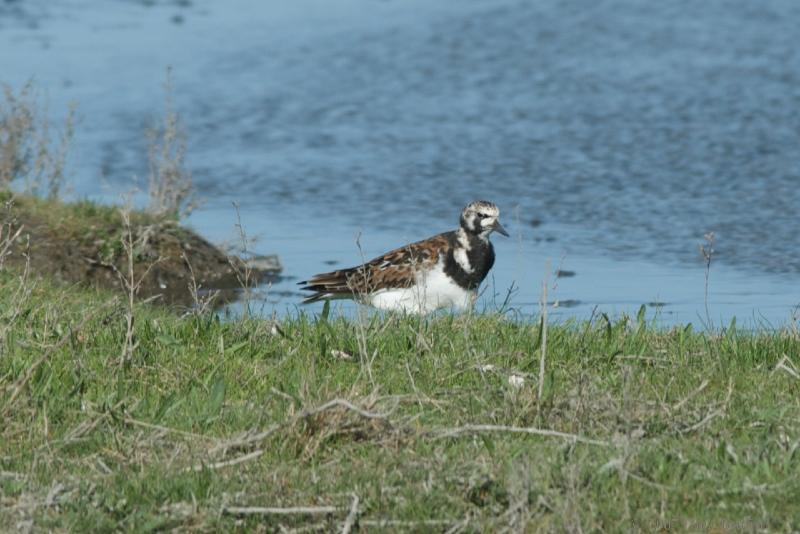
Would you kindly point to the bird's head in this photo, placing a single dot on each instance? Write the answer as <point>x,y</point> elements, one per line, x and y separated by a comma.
<point>481,218</point>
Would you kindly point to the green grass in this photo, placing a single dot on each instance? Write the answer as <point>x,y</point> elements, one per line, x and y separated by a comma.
<point>78,215</point>
<point>83,222</point>
<point>698,431</point>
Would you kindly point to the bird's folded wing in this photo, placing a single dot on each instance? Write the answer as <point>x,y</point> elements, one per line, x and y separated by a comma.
<point>397,268</point>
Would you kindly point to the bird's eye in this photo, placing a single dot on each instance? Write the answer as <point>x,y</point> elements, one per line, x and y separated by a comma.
<point>481,215</point>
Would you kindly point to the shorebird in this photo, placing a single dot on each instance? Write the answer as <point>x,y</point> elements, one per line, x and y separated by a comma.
<point>439,272</point>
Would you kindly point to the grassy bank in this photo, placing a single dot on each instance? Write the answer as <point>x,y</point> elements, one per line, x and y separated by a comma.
<point>394,423</point>
<point>91,244</point>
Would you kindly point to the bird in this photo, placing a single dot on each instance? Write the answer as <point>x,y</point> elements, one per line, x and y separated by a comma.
<point>443,271</point>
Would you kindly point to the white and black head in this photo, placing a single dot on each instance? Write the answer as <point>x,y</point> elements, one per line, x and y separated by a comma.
<point>481,218</point>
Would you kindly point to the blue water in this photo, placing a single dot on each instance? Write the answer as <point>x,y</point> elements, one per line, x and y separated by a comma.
<point>613,134</point>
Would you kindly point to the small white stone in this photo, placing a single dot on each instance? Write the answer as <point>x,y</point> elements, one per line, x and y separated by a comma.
<point>341,355</point>
<point>516,381</point>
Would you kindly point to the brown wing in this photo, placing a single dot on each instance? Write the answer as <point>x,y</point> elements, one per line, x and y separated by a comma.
<point>395,269</point>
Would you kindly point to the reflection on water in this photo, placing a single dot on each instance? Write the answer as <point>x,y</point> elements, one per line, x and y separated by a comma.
<point>613,135</point>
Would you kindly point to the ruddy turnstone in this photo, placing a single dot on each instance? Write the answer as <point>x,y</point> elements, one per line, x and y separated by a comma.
<point>442,271</point>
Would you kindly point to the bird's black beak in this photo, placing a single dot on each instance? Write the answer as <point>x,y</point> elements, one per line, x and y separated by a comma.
<point>497,227</point>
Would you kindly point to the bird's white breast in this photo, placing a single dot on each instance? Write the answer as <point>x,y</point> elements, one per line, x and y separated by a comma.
<point>433,290</point>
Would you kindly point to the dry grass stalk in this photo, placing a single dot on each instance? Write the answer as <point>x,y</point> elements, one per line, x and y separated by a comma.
<point>238,262</point>
<point>193,435</point>
<point>411,525</point>
<point>690,396</point>
<point>244,440</point>
<point>478,429</point>
<point>8,234</point>
<point>202,303</point>
<point>361,324</point>
<point>7,238</point>
<point>50,163</point>
<point>543,354</point>
<point>26,148</point>
<point>23,291</point>
<point>293,510</point>
<point>707,251</point>
<point>347,526</point>
<point>170,183</point>
<point>17,124</point>
<point>787,366</point>
<point>352,516</point>
<point>342,403</point>
<point>228,463</point>
<point>131,288</point>
<point>712,414</point>
<point>130,283</point>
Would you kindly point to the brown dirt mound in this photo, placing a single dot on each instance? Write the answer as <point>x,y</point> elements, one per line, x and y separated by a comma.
<point>84,243</point>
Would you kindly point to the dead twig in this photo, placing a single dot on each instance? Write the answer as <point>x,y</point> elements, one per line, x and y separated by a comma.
<point>477,429</point>
<point>7,238</point>
<point>691,395</point>
<point>787,366</point>
<point>227,463</point>
<point>153,426</point>
<point>384,523</point>
<point>352,516</point>
<point>703,422</point>
<point>248,438</point>
<point>719,412</point>
<point>343,404</point>
<point>293,510</point>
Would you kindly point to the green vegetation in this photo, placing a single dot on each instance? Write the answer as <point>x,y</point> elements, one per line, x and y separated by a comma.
<point>391,423</point>
<point>83,222</point>
<point>88,243</point>
<point>98,230</point>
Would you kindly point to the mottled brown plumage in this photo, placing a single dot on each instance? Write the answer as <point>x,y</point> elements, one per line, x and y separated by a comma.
<point>395,269</point>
